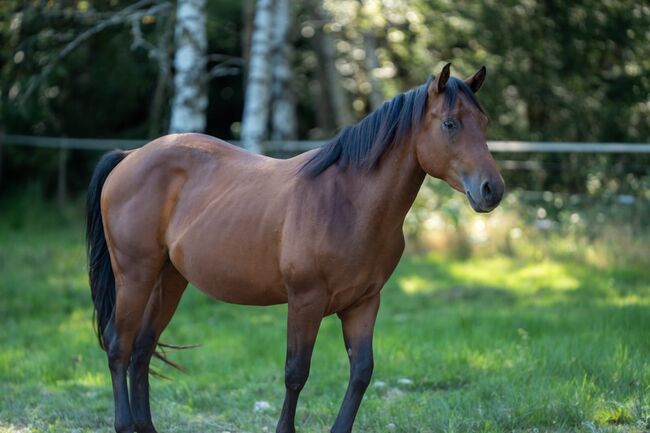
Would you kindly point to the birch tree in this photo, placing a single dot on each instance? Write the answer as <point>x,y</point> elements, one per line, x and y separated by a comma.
<point>258,84</point>
<point>283,117</point>
<point>188,112</point>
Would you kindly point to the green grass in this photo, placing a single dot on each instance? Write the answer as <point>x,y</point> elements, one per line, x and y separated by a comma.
<point>494,344</point>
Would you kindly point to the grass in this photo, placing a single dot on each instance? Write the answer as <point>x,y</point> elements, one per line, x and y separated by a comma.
<point>493,344</point>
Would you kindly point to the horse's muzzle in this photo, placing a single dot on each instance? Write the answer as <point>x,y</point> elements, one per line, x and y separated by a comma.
<point>485,195</point>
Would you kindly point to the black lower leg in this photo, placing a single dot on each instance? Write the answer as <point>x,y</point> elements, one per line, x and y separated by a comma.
<point>358,323</point>
<point>305,314</point>
<point>118,363</point>
<point>139,378</point>
<point>296,374</point>
<point>361,366</point>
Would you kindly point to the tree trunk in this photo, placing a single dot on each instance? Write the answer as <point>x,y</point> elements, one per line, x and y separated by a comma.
<point>326,53</point>
<point>158,108</point>
<point>190,101</point>
<point>2,133</point>
<point>323,110</point>
<point>372,63</point>
<point>283,117</point>
<point>248,15</point>
<point>258,88</point>
<point>62,177</point>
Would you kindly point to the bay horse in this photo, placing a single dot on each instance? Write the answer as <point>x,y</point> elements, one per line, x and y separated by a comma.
<point>321,232</point>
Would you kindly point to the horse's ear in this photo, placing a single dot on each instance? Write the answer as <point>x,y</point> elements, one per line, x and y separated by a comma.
<point>476,81</point>
<point>439,82</point>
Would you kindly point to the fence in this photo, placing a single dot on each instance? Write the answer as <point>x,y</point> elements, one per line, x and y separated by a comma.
<point>301,146</point>
<point>64,144</point>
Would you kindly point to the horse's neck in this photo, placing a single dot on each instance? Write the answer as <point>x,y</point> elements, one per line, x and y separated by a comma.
<point>390,190</point>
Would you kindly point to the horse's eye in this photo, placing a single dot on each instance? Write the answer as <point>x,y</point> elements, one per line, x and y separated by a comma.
<point>449,124</point>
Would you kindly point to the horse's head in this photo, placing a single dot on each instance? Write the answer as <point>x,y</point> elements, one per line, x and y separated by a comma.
<point>451,143</point>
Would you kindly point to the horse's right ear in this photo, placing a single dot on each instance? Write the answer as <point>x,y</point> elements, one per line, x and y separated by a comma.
<point>476,81</point>
<point>438,84</point>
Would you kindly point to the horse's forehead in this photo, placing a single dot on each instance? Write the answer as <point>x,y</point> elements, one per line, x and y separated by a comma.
<point>462,107</point>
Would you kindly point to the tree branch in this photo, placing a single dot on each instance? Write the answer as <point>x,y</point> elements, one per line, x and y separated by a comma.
<point>129,13</point>
<point>139,41</point>
<point>231,66</point>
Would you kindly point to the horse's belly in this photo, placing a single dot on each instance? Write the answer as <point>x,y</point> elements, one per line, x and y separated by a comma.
<point>237,291</point>
<point>229,277</point>
<point>232,260</point>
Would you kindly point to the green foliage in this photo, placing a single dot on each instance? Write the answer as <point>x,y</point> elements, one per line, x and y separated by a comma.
<point>495,344</point>
<point>606,225</point>
<point>557,71</point>
<point>573,71</point>
<point>567,71</point>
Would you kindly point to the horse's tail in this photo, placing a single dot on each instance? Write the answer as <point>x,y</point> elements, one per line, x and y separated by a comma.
<point>100,272</point>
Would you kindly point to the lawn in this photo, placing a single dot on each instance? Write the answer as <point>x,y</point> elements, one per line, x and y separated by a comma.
<point>493,344</point>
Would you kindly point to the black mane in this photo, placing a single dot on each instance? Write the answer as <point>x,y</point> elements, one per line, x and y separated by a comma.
<point>362,145</point>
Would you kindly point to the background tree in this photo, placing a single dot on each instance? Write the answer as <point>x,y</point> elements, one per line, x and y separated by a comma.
<point>577,71</point>
<point>331,88</point>
<point>258,83</point>
<point>190,97</point>
<point>376,95</point>
<point>283,113</point>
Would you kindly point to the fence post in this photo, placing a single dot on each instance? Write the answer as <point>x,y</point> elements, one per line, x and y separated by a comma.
<point>62,173</point>
<point>2,136</point>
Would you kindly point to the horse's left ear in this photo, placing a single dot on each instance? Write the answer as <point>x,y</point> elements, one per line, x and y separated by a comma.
<point>438,84</point>
<point>476,81</point>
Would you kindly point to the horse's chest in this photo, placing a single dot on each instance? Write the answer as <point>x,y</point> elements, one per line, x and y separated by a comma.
<point>352,269</point>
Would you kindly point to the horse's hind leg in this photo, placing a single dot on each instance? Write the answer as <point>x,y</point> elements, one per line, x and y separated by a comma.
<point>132,290</point>
<point>160,309</point>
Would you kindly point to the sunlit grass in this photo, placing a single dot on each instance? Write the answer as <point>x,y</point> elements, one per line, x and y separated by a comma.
<point>489,344</point>
<point>535,282</point>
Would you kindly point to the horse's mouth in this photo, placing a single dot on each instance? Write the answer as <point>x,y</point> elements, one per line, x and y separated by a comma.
<point>476,206</point>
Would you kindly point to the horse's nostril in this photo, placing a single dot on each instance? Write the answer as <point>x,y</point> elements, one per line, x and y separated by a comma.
<point>486,190</point>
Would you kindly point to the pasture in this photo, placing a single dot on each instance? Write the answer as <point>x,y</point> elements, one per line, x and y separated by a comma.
<point>534,318</point>
<point>492,344</point>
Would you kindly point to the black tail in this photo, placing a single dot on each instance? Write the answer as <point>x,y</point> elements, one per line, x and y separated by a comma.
<point>102,280</point>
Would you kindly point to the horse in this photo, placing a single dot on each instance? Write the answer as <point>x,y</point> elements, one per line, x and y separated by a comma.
<point>321,232</point>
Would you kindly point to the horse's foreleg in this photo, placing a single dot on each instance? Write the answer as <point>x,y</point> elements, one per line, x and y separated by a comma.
<point>160,309</point>
<point>358,324</point>
<point>304,318</point>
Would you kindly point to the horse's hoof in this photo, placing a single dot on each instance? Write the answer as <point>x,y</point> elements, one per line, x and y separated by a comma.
<point>124,428</point>
<point>285,429</point>
<point>145,428</point>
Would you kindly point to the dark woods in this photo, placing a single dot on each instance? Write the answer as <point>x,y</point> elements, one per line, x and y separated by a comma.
<point>574,72</point>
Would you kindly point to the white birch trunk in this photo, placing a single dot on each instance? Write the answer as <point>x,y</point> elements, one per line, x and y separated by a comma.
<point>258,84</point>
<point>188,111</point>
<point>283,115</point>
